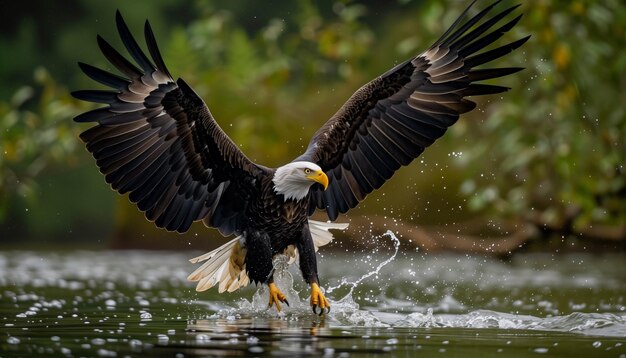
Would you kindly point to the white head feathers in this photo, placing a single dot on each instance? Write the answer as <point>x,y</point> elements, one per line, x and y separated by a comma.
<point>293,180</point>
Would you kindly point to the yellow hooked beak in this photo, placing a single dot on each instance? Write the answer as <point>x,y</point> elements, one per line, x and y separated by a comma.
<point>319,177</point>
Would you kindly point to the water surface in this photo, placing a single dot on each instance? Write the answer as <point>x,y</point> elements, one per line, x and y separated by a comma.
<point>121,303</point>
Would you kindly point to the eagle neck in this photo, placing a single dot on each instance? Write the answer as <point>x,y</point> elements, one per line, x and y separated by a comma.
<point>290,190</point>
<point>290,186</point>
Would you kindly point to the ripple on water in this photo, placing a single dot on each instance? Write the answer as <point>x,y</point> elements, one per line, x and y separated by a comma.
<point>586,323</point>
<point>95,303</point>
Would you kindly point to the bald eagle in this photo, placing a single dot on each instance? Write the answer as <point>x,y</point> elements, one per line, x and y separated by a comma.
<point>157,140</point>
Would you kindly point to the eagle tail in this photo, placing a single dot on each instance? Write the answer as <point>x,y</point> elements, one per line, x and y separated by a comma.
<point>321,235</point>
<point>224,265</point>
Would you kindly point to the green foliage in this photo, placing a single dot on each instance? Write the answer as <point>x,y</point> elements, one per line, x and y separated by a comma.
<point>263,87</point>
<point>35,131</point>
<point>555,146</point>
<point>252,81</point>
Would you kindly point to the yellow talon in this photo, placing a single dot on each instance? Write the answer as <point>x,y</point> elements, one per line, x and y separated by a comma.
<point>276,297</point>
<point>318,299</point>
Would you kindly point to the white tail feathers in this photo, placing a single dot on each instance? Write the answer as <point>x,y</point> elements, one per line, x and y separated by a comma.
<point>225,265</point>
<point>320,234</point>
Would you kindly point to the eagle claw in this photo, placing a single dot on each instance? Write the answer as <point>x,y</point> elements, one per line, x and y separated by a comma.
<point>276,297</point>
<point>314,307</point>
<point>318,300</point>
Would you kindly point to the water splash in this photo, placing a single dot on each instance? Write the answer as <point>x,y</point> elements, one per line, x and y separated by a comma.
<point>284,280</point>
<point>533,292</point>
<point>344,310</point>
<point>353,285</point>
<point>601,324</point>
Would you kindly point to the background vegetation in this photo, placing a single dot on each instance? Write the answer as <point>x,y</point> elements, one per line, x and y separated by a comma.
<point>546,159</point>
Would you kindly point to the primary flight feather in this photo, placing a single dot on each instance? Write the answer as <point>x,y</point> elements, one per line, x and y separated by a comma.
<point>157,140</point>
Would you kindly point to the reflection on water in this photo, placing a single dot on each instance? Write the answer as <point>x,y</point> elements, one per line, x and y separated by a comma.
<point>128,303</point>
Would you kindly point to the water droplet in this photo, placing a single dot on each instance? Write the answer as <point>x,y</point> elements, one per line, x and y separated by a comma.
<point>98,341</point>
<point>106,353</point>
<point>255,349</point>
<point>202,338</point>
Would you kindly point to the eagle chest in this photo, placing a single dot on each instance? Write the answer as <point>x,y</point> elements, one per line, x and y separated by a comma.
<point>291,211</point>
<point>278,212</point>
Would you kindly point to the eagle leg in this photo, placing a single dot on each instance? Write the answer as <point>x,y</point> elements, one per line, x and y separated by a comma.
<point>318,300</point>
<point>308,266</point>
<point>276,296</point>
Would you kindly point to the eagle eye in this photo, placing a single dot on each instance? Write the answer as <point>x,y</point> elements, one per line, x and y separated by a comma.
<point>307,171</point>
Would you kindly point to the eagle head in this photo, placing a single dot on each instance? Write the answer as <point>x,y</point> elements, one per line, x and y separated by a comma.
<point>295,179</point>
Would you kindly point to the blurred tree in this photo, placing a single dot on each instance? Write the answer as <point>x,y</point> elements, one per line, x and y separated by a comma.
<point>550,152</point>
<point>555,154</point>
<point>33,138</point>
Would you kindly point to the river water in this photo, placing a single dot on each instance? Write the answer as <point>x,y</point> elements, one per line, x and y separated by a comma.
<point>130,303</point>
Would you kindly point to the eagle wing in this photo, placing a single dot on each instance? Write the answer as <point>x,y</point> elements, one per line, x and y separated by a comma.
<point>391,120</point>
<point>158,141</point>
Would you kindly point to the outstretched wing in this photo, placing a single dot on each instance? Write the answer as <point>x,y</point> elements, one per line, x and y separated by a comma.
<point>157,140</point>
<point>391,120</point>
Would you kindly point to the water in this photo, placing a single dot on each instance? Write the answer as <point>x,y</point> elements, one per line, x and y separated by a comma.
<point>112,303</point>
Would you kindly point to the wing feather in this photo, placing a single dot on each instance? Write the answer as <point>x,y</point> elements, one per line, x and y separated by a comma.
<point>157,141</point>
<point>390,121</point>
<point>421,133</point>
<point>386,164</point>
